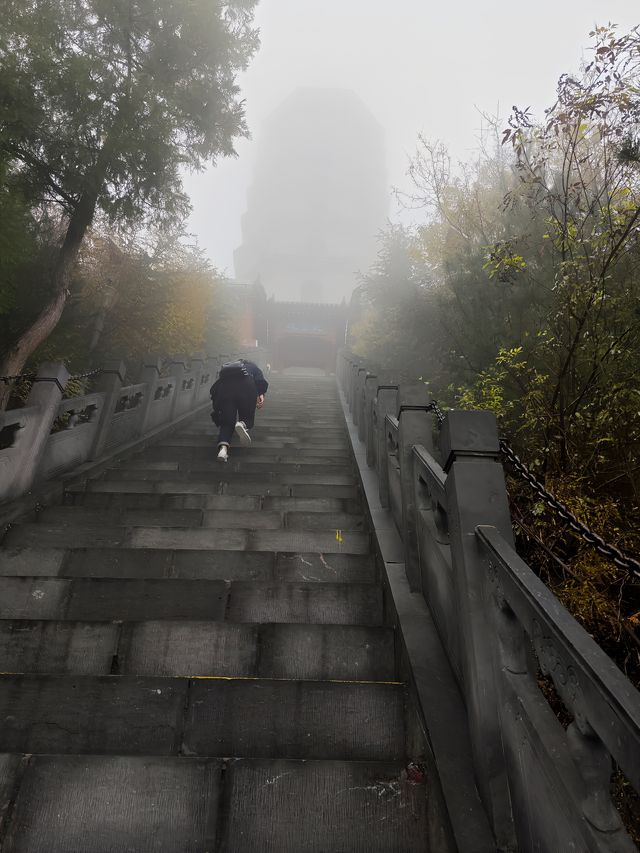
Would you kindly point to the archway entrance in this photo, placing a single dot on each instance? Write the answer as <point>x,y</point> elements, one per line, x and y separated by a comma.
<point>296,350</point>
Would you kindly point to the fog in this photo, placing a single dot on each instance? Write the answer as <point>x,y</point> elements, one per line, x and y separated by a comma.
<point>415,66</point>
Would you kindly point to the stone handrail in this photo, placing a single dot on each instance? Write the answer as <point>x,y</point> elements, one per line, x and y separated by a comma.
<point>51,435</point>
<point>545,785</point>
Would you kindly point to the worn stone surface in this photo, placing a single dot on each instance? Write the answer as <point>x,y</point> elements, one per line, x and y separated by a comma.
<point>118,563</point>
<point>339,604</point>
<point>189,648</point>
<point>44,535</point>
<point>124,517</point>
<point>224,565</point>
<point>132,600</point>
<point>340,652</point>
<point>325,568</point>
<point>23,560</point>
<point>308,505</point>
<point>68,647</point>
<point>63,714</point>
<point>323,542</point>
<point>112,804</point>
<point>231,519</point>
<point>33,598</point>
<point>199,539</point>
<point>10,767</point>
<point>322,807</point>
<point>324,521</point>
<point>284,719</point>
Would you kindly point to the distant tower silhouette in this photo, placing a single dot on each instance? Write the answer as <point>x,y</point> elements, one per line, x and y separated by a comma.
<point>318,199</point>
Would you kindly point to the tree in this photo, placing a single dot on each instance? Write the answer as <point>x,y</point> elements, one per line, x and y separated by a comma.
<point>129,300</point>
<point>104,103</point>
<point>528,306</point>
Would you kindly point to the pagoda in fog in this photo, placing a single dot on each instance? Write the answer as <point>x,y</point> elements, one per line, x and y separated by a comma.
<point>318,199</point>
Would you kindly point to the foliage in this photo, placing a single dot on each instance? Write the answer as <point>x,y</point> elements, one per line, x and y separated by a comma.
<point>130,301</point>
<point>134,90</point>
<point>103,105</point>
<point>524,301</point>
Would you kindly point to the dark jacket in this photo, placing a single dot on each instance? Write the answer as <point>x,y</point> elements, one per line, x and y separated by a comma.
<point>254,372</point>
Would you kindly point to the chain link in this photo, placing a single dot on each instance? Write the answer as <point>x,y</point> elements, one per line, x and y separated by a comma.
<point>29,377</point>
<point>437,411</point>
<point>24,377</point>
<point>621,560</point>
<point>86,375</point>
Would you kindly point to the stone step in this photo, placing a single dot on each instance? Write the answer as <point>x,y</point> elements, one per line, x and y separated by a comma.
<point>218,473</point>
<point>234,466</point>
<point>243,488</point>
<point>247,718</point>
<point>187,565</point>
<point>197,648</point>
<point>199,447</point>
<point>128,600</point>
<point>44,535</point>
<point>158,804</point>
<point>222,519</point>
<point>77,497</point>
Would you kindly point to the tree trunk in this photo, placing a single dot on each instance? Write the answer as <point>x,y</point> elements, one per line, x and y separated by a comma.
<point>17,355</point>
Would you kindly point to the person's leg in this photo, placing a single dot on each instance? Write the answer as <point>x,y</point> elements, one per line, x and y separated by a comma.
<point>228,410</point>
<point>246,412</point>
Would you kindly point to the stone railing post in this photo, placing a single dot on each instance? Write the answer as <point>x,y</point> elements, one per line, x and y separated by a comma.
<point>353,375</point>
<point>358,400</point>
<point>109,383</point>
<point>363,375</point>
<point>385,404</point>
<point>149,375</point>
<point>179,366</point>
<point>368,425</point>
<point>197,369</point>
<point>476,494</point>
<point>415,427</point>
<point>208,377</point>
<point>45,395</point>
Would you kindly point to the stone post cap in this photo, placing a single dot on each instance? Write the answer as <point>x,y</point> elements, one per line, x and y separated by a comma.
<point>415,394</point>
<point>468,434</point>
<point>51,375</point>
<point>114,366</point>
<point>153,362</point>
<point>181,358</point>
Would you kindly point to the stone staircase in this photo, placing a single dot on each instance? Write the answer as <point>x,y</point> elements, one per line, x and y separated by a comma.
<point>195,657</point>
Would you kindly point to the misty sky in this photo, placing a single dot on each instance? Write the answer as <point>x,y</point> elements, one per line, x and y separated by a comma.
<point>419,65</point>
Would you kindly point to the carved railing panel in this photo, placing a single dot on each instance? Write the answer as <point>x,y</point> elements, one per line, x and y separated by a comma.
<point>72,434</point>
<point>17,431</point>
<point>603,704</point>
<point>161,402</point>
<point>126,423</point>
<point>50,435</point>
<point>436,569</point>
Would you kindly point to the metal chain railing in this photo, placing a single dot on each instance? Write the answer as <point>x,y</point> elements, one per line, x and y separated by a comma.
<point>24,377</point>
<point>605,549</point>
<point>86,375</point>
<point>621,560</point>
<point>437,411</point>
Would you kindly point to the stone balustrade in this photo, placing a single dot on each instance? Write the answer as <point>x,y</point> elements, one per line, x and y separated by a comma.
<point>51,435</point>
<point>543,769</point>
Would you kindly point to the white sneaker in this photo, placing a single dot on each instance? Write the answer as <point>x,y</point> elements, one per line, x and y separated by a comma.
<point>223,453</point>
<point>243,433</point>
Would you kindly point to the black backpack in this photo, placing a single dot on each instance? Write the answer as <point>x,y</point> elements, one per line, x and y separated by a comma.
<point>233,370</point>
